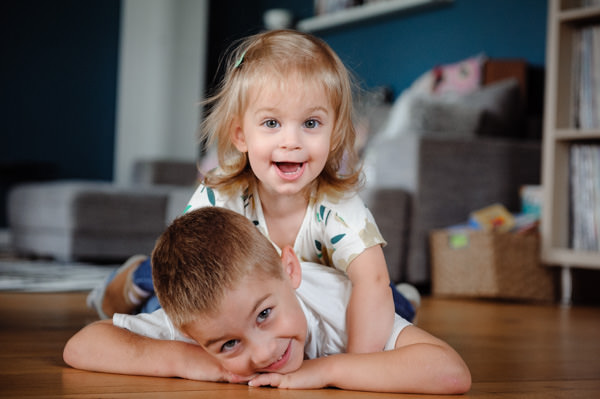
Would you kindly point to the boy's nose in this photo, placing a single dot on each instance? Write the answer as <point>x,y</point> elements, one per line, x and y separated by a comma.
<point>263,352</point>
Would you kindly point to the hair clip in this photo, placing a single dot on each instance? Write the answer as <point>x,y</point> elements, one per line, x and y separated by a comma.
<point>240,61</point>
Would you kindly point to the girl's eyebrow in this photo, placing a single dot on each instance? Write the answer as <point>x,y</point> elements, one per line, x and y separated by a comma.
<point>208,343</point>
<point>309,110</point>
<point>318,108</point>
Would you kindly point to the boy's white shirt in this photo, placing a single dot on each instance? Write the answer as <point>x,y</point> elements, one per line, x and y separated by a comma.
<point>323,295</point>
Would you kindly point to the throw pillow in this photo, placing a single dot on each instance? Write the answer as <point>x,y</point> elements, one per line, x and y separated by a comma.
<point>460,77</point>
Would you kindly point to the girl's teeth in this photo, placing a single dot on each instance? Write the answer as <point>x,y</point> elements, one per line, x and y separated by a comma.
<point>288,167</point>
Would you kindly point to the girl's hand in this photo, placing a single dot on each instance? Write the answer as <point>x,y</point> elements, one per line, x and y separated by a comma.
<point>309,376</point>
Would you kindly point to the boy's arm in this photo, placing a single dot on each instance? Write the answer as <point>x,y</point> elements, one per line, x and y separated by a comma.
<point>420,363</point>
<point>104,347</point>
<point>370,313</point>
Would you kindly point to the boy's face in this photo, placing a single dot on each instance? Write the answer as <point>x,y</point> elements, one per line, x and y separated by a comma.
<point>286,131</point>
<point>258,327</point>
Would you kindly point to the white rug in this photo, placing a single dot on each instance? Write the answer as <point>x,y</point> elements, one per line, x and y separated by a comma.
<point>49,276</point>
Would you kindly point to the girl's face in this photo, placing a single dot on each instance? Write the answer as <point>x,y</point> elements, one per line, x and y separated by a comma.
<point>286,131</point>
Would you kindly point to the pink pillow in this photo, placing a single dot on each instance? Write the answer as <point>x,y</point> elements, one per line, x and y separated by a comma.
<point>461,77</point>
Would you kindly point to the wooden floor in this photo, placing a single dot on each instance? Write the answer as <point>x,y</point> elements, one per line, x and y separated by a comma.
<point>513,350</point>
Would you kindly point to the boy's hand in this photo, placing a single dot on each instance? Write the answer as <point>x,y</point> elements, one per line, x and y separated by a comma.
<point>238,379</point>
<point>194,364</point>
<point>309,376</point>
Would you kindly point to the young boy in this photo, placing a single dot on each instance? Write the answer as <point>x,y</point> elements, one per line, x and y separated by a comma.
<point>234,310</point>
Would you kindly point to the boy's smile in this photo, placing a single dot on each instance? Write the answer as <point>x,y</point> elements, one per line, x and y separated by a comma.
<point>286,131</point>
<point>259,326</point>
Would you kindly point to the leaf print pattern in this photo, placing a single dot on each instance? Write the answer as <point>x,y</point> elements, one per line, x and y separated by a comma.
<point>319,248</point>
<point>339,219</point>
<point>323,214</point>
<point>211,195</point>
<point>369,235</point>
<point>325,250</point>
<point>337,238</point>
<point>246,198</point>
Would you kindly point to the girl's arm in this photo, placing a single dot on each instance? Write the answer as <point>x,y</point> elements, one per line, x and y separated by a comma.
<point>104,347</point>
<point>420,363</point>
<point>370,313</point>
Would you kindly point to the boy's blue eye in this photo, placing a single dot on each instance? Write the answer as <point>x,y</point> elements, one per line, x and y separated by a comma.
<point>311,123</point>
<point>229,345</point>
<point>262,316</point>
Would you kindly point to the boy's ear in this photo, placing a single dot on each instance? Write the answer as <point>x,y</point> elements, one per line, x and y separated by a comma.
<point>291,266</point>
<point>237,137</point>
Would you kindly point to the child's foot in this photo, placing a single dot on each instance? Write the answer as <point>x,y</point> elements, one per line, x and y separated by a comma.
<point>412,295</point>
<point>118,294</point>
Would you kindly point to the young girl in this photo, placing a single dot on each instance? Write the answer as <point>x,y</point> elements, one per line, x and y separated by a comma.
<point>282,124</point>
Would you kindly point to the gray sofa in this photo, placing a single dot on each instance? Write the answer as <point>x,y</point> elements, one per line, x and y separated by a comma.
<point>430,177</point>
<point>440,158</point>
<point>95,220</point>
<point>99,221</point>
<point>454,177</point>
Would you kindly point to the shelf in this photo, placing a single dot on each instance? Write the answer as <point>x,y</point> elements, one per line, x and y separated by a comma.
<point>570,257</point>
<point>576,135</point>
<point>364,13</point>
<point>580,14</point>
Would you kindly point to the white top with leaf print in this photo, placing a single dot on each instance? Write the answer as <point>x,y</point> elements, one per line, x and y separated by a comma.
<point>333,233</point>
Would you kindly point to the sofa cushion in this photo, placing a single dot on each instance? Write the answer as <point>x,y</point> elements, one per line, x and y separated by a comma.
<point>86,219</point>
<point>501,106</point>
<point>459,77</point>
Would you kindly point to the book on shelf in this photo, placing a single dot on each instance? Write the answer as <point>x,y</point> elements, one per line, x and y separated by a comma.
<point>585,96</point>
<point>585,196</point>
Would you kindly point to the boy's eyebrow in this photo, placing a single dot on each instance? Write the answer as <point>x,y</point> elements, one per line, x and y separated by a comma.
<point>260,300</point>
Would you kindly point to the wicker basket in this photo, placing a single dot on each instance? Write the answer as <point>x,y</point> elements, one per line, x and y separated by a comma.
<point>489,265</point>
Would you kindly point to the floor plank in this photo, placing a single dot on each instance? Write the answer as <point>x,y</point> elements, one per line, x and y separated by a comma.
<point>513,351</point>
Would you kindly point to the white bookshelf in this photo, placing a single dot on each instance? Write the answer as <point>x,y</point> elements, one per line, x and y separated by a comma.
<point>566,19</point>
<point>363,13</point>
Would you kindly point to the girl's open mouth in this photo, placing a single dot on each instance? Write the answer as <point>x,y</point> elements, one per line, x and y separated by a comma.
<point>290,170</point>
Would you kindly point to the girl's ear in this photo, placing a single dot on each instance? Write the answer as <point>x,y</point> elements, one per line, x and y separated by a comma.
<point>291,266</point>
<point>238,138</point>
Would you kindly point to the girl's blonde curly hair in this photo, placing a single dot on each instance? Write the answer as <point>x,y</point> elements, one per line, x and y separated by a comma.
<point>270,58</point>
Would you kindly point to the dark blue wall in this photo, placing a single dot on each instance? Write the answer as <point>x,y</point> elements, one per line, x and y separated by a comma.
<point>396,50</point>
<point>59,69</point>
<point>58,86</point>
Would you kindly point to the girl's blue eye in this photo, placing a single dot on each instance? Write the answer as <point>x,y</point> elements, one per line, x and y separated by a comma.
<point>264,315</point>
<point>311,123</point>
<point>229,345</point>
<point>271,123</point>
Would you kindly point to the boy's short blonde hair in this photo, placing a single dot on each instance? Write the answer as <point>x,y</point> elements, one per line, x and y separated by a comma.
<point>201,255</point>
<point>271,58</point>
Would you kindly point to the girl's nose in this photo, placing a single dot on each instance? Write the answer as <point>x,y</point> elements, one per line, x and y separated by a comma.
<point>291,138</point>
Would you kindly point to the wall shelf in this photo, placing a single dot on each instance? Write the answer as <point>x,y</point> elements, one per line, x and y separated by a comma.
<point>364,13</point>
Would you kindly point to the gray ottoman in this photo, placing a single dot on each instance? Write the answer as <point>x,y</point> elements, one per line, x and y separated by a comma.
<point>90,220</point>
